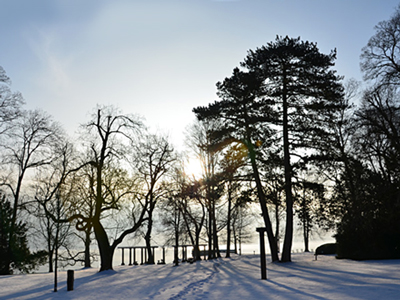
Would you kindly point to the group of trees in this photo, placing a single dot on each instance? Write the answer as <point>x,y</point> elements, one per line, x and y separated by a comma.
<point>116,180</point>
<point>95,186</point>
<point>367,195</point>
<point>14,123</point>
<point>286,133</point>
<point>316,146</point>
<point>280,106</point>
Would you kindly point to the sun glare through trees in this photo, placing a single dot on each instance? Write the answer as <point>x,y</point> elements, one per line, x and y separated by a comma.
<point>193,168</point>
<point>287,137</point>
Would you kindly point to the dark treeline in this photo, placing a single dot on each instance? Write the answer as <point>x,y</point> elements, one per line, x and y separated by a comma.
<point>287,134</point>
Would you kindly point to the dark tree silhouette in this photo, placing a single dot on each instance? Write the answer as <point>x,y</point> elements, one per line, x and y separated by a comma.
<point>154,157</point>
<point>234,159</point>
<point>10,103</point>
<point>307,194</point>
<point>380,58</point>
<point>199,139</point>
<point>111,185</point>
<point>30,146</point>
<point>52,200</point>
<point>307,95</point>
<point>20,258</point>
<point>243,112</point>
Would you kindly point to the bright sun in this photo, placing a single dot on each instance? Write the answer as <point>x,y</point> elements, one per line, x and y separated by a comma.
<point>193,168</point>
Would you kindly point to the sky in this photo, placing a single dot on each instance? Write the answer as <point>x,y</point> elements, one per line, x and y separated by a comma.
<point>161,58</point>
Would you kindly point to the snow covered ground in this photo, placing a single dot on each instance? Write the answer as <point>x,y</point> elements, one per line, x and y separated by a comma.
<point>235,278</point>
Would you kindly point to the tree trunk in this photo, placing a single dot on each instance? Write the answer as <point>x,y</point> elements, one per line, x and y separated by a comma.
<point>210,233</point>
<point>306,234</point>
<point>196,250</point>
<point>51,261</point>
<point>105,250</point>
<point>150,257</point>
<point>287,244</point>
<point>228,226</point>
<point>215,234</point>
<point>277,239</point>
<point>235,238</point>
<point>11,236</point>
<point>87,247</point>
<point>176,249</point>
<point>193,240</point>
<point>263,204</point>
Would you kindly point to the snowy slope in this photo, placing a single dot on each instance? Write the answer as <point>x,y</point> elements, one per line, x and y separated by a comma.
<point>236,278</point>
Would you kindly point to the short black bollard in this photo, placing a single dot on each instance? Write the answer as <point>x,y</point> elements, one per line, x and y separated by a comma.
<point>70,280</point>
<point>261,230</point>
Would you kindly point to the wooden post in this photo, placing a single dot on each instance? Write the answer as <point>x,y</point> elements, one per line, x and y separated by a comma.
<point>70,280</point>
<point>134,256</point>
<point>163,254</point>
<point>141,256</point>
<point>261,231</point>
<point>154,253</point>
<point>130,256</point>
<point>122,264</point>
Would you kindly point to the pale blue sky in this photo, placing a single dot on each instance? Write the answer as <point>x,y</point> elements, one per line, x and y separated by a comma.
<point>159,59</point>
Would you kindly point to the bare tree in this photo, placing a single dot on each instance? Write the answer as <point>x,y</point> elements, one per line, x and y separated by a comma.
<point>110,136</point>
<point>380,57</point>
<point>10,103</point>
<point>83,202</point>
<point>30,145</point>
<point>199,140</point>
<point>234,159</point>
<point>192,203</point>
<point>308,193</point>
<point>154,158</point>
<point>173,227</point>
<point>52,197</point>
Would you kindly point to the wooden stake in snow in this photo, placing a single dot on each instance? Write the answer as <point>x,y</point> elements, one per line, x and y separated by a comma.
<point>70,280</point>
<point>261,231</point>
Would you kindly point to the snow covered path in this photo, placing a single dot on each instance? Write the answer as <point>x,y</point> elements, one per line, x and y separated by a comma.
<point>236,278</point>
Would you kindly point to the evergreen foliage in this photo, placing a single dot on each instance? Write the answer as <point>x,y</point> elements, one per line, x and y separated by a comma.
<point>370,228</point>
<point>20,257</point>
<point>369,195</point>
<point>287,98</point>
<point>368,198</point>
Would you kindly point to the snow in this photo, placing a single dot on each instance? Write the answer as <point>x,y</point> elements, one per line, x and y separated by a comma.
<point>234,278</point>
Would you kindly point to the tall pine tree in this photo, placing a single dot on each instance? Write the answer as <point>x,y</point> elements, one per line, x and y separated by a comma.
<point>306,94</point>
<point>244,112</point>
<point>287,96</point>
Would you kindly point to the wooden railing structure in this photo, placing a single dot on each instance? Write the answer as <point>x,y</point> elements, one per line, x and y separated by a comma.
<point>184,251</point>
<point>143,254</point>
